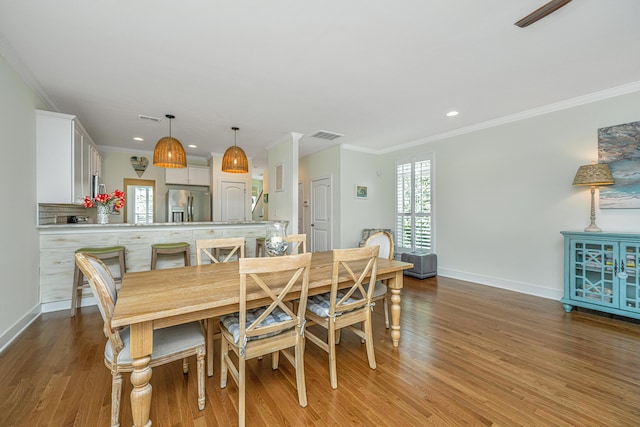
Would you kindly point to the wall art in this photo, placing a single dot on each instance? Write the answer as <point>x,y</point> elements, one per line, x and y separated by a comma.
<point>362,192</point>
<point>619,147</point>
<point>139,164</point>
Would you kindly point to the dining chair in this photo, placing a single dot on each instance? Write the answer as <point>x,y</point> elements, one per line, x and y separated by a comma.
<point>344,308</point>
<point>211,249</point>
<point>169,344</point>
<point>273,329</point>
<point>385,241</point>
<point>235,245</point>
<point>297,241</point>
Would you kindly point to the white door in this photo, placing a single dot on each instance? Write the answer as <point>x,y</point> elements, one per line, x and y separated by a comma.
<point>233,197</point>
<point>321,215</point>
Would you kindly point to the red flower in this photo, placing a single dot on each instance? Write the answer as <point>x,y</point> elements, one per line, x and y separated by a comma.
<point>114,201</point>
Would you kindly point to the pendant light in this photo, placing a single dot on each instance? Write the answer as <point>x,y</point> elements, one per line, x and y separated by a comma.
<point>169,152</point>
<point>234,159</point>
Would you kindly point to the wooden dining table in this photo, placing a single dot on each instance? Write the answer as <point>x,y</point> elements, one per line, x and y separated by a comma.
<point>156,299</point>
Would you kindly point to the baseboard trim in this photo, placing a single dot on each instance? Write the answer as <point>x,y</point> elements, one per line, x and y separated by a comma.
<point>66,304</point>
<point>523,288</point>
<point>14,332</point>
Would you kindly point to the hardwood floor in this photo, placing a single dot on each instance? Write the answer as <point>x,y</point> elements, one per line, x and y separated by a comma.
<point>469,355</point>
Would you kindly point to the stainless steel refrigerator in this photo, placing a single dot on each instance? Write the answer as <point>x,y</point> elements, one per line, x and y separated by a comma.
<point>188,205</point>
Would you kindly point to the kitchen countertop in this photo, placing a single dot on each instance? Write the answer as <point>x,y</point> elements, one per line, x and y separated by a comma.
<point>58,243</point>
<point>76,226</point>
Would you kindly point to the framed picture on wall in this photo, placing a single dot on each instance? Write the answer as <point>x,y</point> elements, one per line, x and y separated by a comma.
<point>619,146</point>
<point>362,192</point>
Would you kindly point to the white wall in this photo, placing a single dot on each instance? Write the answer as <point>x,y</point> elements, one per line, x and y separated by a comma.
<point>19,257</point>
<point>283,205</point>
<point>359,168</point>
<point>502,195</point>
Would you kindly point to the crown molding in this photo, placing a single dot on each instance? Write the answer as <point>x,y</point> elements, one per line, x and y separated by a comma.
<point>551,108</point>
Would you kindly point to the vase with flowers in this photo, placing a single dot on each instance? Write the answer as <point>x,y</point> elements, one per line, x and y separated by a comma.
<point>105,203</point>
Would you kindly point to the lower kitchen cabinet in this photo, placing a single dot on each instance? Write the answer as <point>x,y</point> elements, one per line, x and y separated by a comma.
<point>601,272</point>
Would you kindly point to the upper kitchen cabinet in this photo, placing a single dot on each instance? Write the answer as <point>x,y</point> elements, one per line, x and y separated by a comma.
<point>191,175</point>
<point>66,158</point>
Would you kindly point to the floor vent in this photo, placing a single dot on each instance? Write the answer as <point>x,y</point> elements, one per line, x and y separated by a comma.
<point>153,119</point>
<point>323,134</point>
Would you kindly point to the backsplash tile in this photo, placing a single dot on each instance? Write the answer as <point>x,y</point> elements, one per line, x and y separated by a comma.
<point>50,213</point>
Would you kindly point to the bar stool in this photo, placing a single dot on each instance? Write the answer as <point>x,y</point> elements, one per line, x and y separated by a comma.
<point>260,247</point>
<point>79,283</point>
<point>170,248</point>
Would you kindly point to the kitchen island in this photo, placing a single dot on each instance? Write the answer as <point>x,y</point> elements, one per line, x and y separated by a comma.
<point>58,243</point>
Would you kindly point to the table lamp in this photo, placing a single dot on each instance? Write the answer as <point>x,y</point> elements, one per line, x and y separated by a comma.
<point>593,175</point>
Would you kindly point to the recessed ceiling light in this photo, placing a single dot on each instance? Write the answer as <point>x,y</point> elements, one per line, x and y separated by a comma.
<point>192,146</point>
<point>137,138</point>
<point>452,113</point>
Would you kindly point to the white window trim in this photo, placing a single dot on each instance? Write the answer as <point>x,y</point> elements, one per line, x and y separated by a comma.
<point>412,159</point>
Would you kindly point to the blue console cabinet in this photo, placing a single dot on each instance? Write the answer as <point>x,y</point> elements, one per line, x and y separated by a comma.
<point>601,272</point>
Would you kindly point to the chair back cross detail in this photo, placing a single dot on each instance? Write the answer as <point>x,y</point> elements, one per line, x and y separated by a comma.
<point>348,260</point>
<point>204,246</point>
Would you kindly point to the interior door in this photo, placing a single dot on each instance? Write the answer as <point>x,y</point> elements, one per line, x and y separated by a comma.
<point>233,197</point>
<point>321,215</point>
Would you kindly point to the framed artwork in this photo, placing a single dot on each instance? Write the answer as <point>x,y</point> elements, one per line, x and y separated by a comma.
<point>619,147</point>
<point>362,192</point>
<point>279,178</point>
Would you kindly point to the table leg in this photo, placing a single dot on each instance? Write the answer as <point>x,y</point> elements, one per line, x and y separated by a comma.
<point>395,284</point>
<point>395,317</point>
<point>141,348</point>
<point>210,326</point>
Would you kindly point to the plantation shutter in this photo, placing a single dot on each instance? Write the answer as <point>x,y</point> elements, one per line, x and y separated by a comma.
<point>413,209</point>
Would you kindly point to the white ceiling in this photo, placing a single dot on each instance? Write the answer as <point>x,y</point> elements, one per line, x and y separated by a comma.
<point>382,73</point>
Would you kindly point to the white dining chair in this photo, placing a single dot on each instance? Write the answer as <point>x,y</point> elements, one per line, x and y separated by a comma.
<point>169,344</point>
<point>384,240</point>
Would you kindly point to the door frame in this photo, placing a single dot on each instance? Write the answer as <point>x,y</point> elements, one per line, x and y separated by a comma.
<point>141,182</point>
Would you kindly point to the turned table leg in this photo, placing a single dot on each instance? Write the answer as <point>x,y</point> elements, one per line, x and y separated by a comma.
<point>141,347</point>
<point>395,284</point>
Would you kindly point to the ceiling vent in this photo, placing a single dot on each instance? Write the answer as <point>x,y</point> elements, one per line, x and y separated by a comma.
<point>330,136</point>
<point>152,119</point>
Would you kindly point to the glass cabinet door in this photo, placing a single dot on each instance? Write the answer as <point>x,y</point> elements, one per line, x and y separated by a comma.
<point>628,277</point>
<point>592,273</point>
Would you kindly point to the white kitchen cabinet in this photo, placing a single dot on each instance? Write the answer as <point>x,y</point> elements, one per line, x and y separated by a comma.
<point>65,158</point>
<point>191,175</point>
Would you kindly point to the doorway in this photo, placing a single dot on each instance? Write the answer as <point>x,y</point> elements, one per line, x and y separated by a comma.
<point>139,201</point>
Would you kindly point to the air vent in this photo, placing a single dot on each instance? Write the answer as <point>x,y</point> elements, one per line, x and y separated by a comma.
<point>323,134</point>
<point>153,119</point>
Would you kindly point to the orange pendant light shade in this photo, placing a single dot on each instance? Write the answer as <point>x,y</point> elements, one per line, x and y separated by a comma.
<point>169,152</point>
<point>234,159</point>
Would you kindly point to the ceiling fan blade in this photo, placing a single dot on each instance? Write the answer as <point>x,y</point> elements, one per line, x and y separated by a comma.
<point>541,12</point>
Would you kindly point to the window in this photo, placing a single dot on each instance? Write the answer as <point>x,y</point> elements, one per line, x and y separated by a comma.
<point>143,199</point>
<point>138,208</point>
<point>413,208</point>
